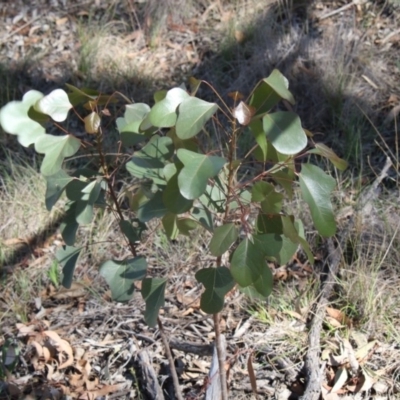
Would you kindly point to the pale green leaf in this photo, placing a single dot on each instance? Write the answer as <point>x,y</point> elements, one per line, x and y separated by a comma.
<point>14,119</point>
<point>198,168</point>
<point>163,114</point>
<point>283,129</point>
<point>56,149</point>
<point>192,116</point>
<point>56,104</point>
<point>316,188</point>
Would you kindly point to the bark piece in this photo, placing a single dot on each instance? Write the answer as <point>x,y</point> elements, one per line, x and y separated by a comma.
<point>213,391</point>
<point>150,385</point>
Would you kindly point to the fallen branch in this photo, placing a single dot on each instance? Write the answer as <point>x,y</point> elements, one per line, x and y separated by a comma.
<point>312,362</point>
<point>151,387</point>
<point>171,362</point>
<point>194,348</point>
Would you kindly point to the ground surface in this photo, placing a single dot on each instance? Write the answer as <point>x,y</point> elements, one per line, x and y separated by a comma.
<point>344,69</point>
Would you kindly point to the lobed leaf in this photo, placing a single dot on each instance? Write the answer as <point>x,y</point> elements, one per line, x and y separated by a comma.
<point>56,104</point>
<point>197,170</point>
<point>55,149</point>
<point>217,282</point>
<point>192,116</point>
<point>120,276</point>
<point>14,119</point>
<point>163,114</point>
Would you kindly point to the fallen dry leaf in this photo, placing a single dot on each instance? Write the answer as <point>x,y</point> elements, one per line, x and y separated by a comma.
<point>63,346</point>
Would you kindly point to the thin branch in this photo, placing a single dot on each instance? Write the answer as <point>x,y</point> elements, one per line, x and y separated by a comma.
<point>174,375</point>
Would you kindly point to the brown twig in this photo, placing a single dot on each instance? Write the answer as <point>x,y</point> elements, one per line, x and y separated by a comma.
<point>221,357</point>
<point>174,375</point>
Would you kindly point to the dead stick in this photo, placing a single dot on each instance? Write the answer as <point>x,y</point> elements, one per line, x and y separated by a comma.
<point>312,365</point>
<point>334,12</point>
<point>171,362</point>
<point>221,357</point>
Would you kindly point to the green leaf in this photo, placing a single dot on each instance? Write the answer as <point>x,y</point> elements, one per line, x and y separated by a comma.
<point>316,188</point>
<point>56,149</point>
<point>192,116</point>
<point>163,114</point>
<point>89,195</point>
<point>67,257</point>
<point>153,294</point>
<point>55,187</point>
<point>223,238</point>
<point>120,276</point>
<point>77,96</point>
<point>204,217</point>
<point>214,198</point>
<point>276,246</point>
<point>173,199</point>
<point>265,282</point>
<point>270,91</point>
<point>14,119</point>
<point>69,226</point>
<point>170,225</point>
<point>217,282</point>
<point>38,116</point>
<point>285,178</point>
<point>280,85</point>
<point>257,130</point>
<point>328,153</point>
<point>194,85</point>
<point>129,125</point>
<point>251,292</point>
<point>198,168</point>
<point>185,225</point>
<point>271,201</point>
<point>247,263</point>
<point>283,129</point>
<point>149,161</point>
<point>56,104</point>
<point>190,144</point>
<point>132,230</point>
<point>269,223</point>
<point>85,195</point>
<point>154,208</point>
<point>92,123</point>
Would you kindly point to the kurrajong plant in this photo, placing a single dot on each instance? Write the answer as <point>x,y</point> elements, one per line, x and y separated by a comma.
<point>189,172</point>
